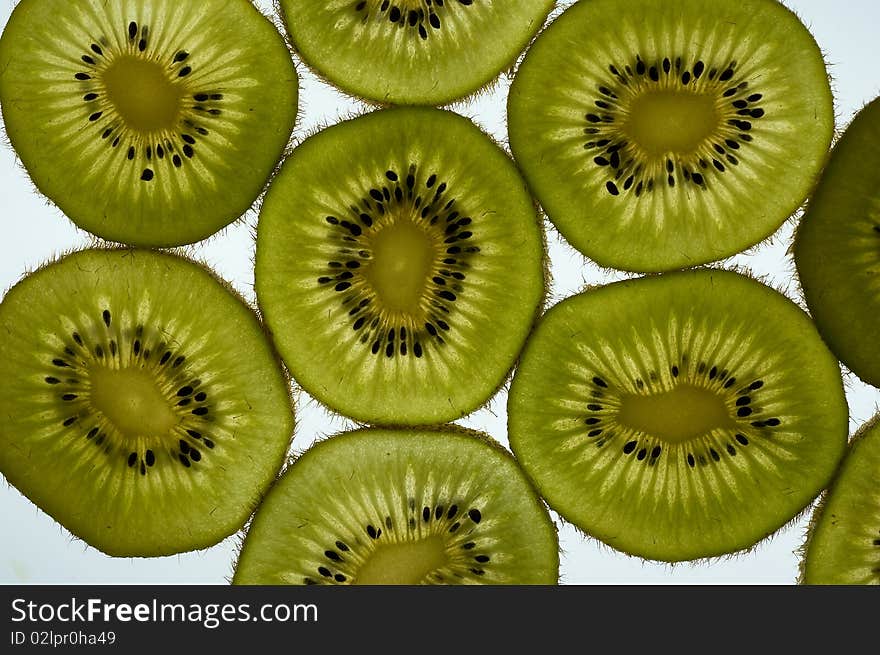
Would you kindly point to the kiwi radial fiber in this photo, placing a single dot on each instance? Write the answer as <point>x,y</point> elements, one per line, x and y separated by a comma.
<point>837,247</point>
<point>679,416</point>
<point>664,134</point>
<point>412,52</point>
<point>843,538</point>
<point>144,424</point>
<point>400,266</point>
<point>147,122</point>
<point>381,507</point>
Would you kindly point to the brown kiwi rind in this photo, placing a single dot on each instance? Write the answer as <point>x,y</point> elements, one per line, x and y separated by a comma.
<point>144,424</point>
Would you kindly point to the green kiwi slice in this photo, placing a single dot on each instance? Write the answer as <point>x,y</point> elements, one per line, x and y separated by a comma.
<point>148,122</point>
<point>382,507</point>
<point>679,416</point>
<point>412,52</point>
<point>837,247</point>
<point>843,538</point>
<point>400,266</point>
<point>144,422</point>
<point>664,134</point>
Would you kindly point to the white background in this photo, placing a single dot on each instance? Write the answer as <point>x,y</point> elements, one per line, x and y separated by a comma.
<point>35,549</point>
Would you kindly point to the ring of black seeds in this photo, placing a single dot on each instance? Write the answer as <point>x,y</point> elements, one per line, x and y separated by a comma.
<point>427,200</point>
<point>629,169</point>
<point>423,19</point>
<point>339,562</point>
<point>155,151</point>
<point>743,401</point>
<point>107,344</point>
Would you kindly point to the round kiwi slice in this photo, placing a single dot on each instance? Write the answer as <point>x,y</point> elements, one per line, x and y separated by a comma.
<point>663,134</point>
<point>679,416</point>
<point>837,247</point>
<point>148,122</point>
<point>400,266</point>
<point>843,538</point>
<point>381,507</point>
<point>413,52</point>
<point>144,423</point>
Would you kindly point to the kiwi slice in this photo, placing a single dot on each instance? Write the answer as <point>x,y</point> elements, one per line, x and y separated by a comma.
<point>148,122</point>
<point>837,247</point>
<point>413,52</point>
<point>843,538</point>
<point>144,423</point>
<point>381,507</point>
<point>663,134</point>
<point>678,416</point>
<point>400,266</point>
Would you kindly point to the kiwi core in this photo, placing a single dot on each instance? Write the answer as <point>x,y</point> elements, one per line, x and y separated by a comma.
<point>403,563</point>
<point>403,256</point>
<point>131,400</point>
<point>146,99</point>
<point>686,412</point>
<point>671,121</point>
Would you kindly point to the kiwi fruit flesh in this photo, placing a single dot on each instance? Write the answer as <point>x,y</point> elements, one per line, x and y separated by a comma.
<point>143,423</point>
<point>400,266</point>
<point>678,416</point>
<point>664,134</point>
<point>401,507</point>
<point>411,52</point>
<point>837,247</point>
<point>147,122</point>
<point>843,538</point>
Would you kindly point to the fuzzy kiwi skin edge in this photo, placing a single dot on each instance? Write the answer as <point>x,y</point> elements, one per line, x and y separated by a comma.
<point>441,432</point>
<point>156,546</point>
<point>397,406</point>
<point>546,135</point>
<point>441,88</point>
<point>154,197</point>
<point>816,548</point>
<point>836,248</point>
<point>525,412</point>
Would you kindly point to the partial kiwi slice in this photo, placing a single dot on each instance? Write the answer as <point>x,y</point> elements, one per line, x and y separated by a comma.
<point>411,52</point>
<point>144,422</point>
<point>382,507</point>
<point>679,416</point>
<point>400,266</point>
<point>148,122</point>
<point>837,247</point>
<point>843,538</point>
<point>663,134</point>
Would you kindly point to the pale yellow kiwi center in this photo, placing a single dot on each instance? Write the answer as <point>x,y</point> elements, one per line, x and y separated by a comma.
<point>403,563</point>
<point>131,400</point>
<point>671,121</point>
<point>403,255</point>
<point>684,413</point>
<point>146,99</point>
